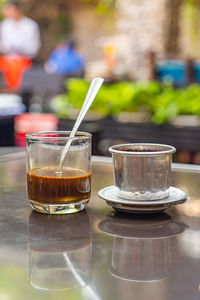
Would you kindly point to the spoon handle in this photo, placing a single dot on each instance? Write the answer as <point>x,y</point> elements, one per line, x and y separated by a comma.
<point>92,92</point>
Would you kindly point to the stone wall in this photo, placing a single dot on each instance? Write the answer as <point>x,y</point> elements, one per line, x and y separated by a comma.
<point>88,28</point>
<point>146,26</point>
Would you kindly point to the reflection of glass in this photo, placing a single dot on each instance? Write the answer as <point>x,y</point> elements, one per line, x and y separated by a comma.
<point>141,247</point>
<point>60,251</point>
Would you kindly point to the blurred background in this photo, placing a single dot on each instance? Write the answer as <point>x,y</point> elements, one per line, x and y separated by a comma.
<point>147,51</point>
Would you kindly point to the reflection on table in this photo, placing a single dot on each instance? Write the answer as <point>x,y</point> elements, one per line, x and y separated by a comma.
<point>60,251</point>
<point>141,246</point>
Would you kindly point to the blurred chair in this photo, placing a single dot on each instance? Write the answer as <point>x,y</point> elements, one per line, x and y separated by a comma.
<point>45,86</point>
<point>171,68</point>
<point>196,68</point>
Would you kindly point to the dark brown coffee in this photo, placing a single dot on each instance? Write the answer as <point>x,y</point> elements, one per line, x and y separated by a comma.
<point>44,186</point>
<point>139,149</point>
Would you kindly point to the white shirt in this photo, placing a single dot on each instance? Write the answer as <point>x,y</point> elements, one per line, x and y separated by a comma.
<point>19,37</point>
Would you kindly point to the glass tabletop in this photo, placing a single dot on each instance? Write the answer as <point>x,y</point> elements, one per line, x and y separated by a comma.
<point>98,253</point>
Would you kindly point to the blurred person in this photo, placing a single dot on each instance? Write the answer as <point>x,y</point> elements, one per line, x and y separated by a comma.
<point>18,34</point>
<point>66,59</point>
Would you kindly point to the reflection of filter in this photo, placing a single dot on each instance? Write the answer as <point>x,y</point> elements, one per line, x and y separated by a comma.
<point>60,251</point>
<point>141,248</point>
<point>147,260</point>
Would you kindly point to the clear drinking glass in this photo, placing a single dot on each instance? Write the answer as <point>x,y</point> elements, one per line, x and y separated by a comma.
<point>50,191</point>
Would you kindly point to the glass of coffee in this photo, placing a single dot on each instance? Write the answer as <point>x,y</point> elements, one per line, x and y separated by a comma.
<point>49,190</point>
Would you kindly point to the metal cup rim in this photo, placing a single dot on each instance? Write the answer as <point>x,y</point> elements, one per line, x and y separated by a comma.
<point>167,149</point>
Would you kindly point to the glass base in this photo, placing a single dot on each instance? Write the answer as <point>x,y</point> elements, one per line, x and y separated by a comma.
<point>58,209</point>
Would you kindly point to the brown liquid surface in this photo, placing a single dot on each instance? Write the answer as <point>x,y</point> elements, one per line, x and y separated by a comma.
<point>138,150</point>
<point>44,186</point>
